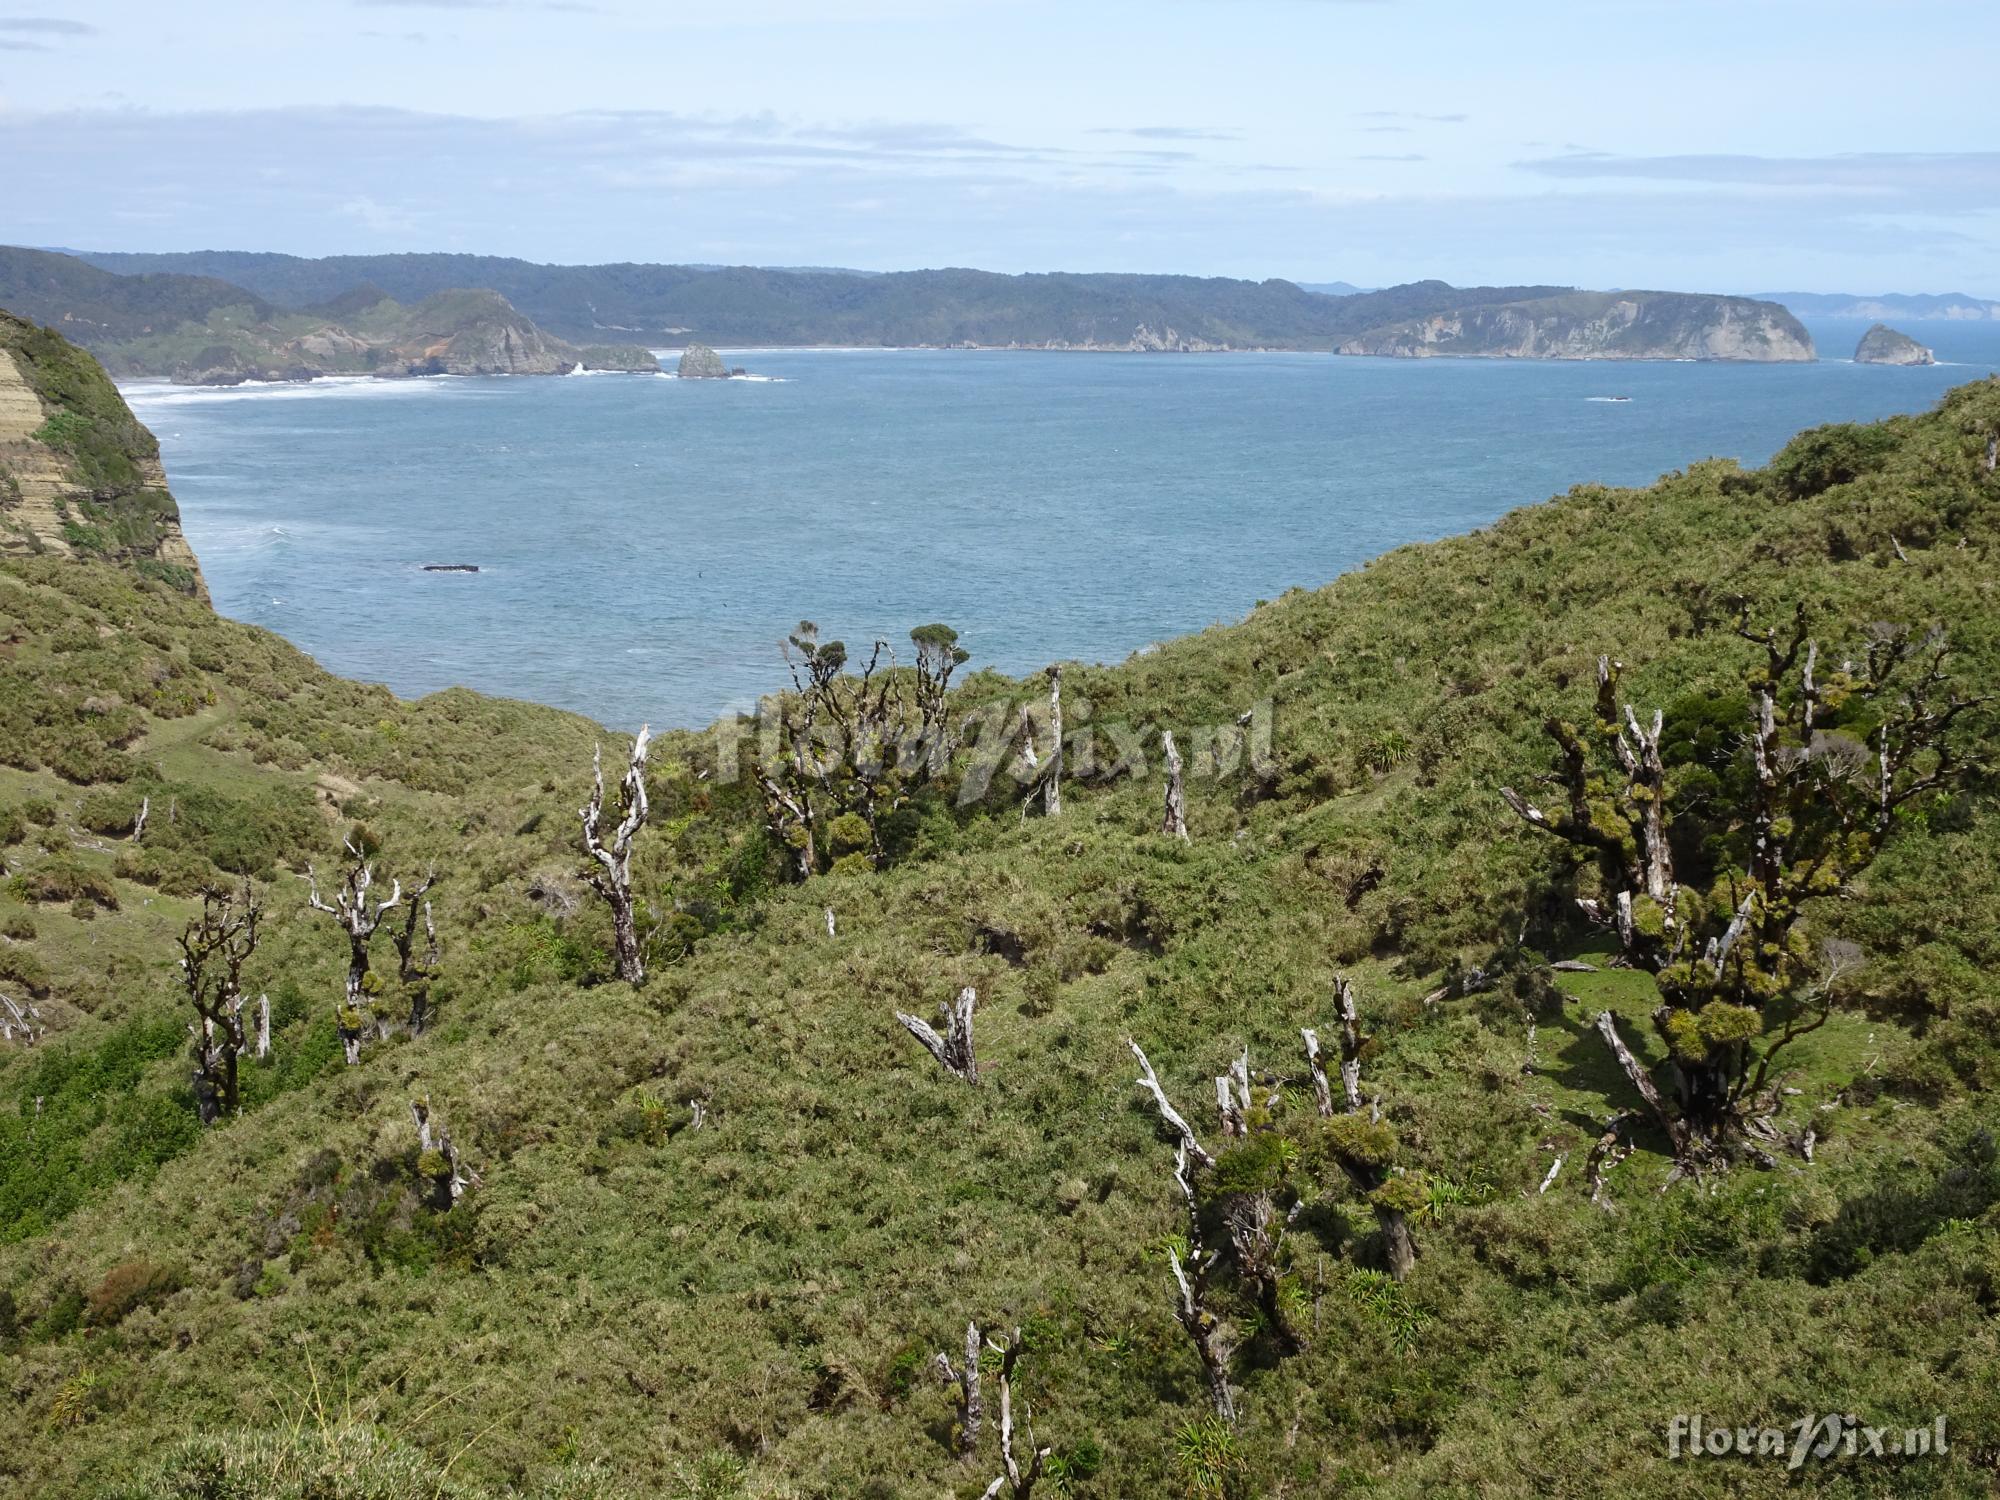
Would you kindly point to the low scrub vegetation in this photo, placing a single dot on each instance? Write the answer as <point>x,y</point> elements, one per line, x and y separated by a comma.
<point>450,1183</point>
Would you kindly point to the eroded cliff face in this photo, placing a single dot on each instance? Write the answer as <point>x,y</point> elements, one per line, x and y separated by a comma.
<point>1883,345</point>
<point>79,475</point>
<point>1601,325</point>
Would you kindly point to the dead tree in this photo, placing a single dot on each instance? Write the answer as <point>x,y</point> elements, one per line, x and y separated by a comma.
<point>953,1050</point>
<point>1191,1267</point>
<point>439,1169</point>
<point>19,1021</point>
<point>965,1377</point>
<point>612,879</point>
<point>1175,821</point>
<point>139,822</point>
<point>1190,1262</point>
<point>359,918</point>
<point>1052,778</point>
<point>263,1028</point>
<point>417,970</point>
<point>1150,1082</point>
<point>1732,967</point>
<point>1020,1482</point>
<point>214,948</point>
<point>1362,1146</point>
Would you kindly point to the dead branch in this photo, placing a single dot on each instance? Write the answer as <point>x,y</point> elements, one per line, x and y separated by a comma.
<point>1174,823</point>
<point>613,878</point>
<point>1677,1130</point>
<point>1052,779</point>
<point>1021,1481</point>
<point>953,1050</point>
<point>966,1378</point>
<point>1149,1081</point>
<point>22,1022</point>
<point>1191,1267</point>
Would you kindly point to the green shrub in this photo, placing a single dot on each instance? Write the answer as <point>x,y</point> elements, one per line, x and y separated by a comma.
<point>63,879</point>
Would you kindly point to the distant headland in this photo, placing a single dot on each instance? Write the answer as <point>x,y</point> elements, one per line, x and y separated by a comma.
<point>224,316</point>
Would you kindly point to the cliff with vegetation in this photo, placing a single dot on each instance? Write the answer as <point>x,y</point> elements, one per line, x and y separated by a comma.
<point>482,1216</point>
<point>739,305</point>
<point>202,331</point>
<point>1599,325</point>
<point>79,475</point>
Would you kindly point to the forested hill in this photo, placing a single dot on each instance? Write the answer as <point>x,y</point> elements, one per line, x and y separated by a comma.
<point>740,305</point>
<point>748,305</point>
<point>1649,1075</point>
<point>202,331</point>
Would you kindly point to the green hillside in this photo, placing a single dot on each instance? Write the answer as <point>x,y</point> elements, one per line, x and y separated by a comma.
<point>757,305</point>
<point>200,331</point>
<point>704,1236</point>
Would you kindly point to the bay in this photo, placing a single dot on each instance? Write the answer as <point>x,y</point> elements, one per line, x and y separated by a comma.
<point>644,544</point>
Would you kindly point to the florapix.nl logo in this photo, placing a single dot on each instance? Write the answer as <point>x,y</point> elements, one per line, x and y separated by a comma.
<point>1833,1436</point>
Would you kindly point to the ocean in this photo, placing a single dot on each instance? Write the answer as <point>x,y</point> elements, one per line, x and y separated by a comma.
<point>644,544</point>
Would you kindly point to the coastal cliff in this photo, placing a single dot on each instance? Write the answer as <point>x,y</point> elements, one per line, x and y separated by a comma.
<point>203,331</point>
<point>1599,325</point>
<point>79,475</point>
<point>1883,345</point>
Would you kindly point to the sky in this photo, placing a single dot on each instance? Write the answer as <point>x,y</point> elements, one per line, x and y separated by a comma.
<point>1756,145</point>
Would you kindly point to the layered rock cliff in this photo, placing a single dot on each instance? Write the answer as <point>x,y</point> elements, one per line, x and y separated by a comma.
<point>1599,325</point>
<point>1883,345</point>
<point>79,475</point>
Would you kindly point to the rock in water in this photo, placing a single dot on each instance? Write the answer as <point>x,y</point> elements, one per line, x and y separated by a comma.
<point>699,362</point>
<point>1883,345</point>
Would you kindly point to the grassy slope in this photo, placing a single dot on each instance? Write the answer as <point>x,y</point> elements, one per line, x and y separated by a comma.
<point>623,1290</point>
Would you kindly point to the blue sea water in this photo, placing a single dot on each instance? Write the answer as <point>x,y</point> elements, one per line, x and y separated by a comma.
<point>645,543</point>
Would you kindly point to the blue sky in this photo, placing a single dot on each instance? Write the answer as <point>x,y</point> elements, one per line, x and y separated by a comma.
<point>1756,145</point>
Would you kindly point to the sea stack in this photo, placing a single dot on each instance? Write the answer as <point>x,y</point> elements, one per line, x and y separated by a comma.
<point>699,362</point>
<point>1883,345</point>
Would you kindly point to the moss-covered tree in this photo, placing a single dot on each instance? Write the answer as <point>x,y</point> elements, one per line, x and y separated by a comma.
<point>1828,765</point>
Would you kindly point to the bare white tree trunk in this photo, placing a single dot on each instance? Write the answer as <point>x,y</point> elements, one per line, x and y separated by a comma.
<point>1175,821</point>
<point>1052,783</point>
<point>953,1050</point>
<point>21,1021</point>
<point>613,880</point>
<point>1677,1129</point>
<point>1021,1482</point>
<point>966,1378</point>
<point>139,823</point>
<point>263,1027</point>
<point>1350,1043</point>
<point>1191,1268</point>
<point>1149,1081</point>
